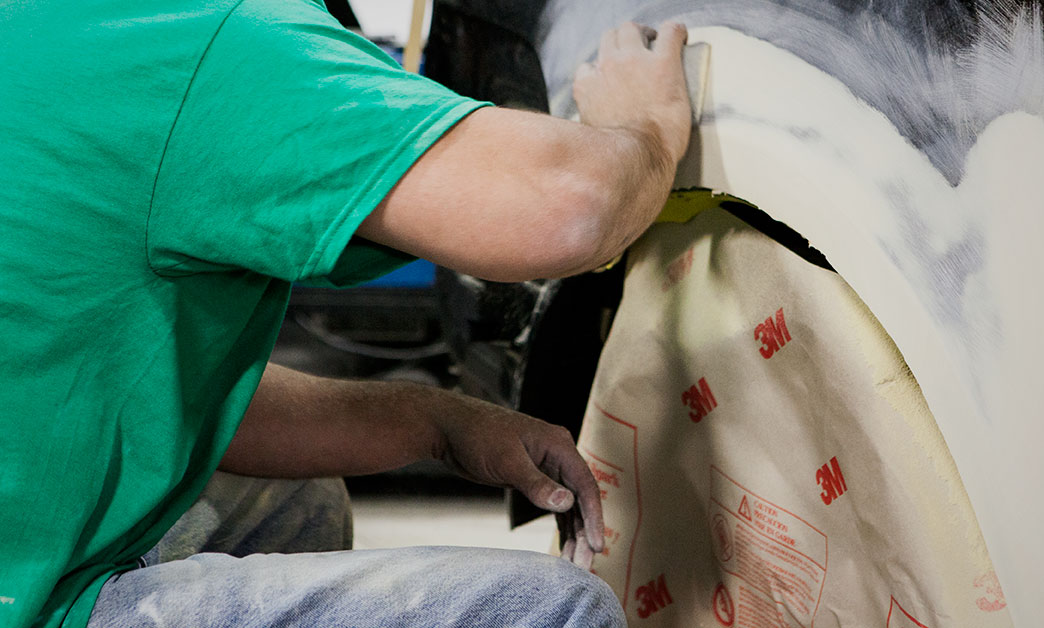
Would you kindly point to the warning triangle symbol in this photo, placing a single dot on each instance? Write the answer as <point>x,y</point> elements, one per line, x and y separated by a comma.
<point>744,508</point>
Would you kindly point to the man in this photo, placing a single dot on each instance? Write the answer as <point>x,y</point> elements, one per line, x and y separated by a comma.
<point>168,171</point>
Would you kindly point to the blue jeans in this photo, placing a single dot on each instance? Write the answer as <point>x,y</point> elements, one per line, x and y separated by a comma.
<point>215,569</point>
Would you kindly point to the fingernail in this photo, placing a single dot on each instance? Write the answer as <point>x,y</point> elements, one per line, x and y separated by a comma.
<point>559,497</point>
<point>597,546</point>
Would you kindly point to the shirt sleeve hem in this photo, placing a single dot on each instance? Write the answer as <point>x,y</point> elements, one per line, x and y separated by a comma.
<point>336,238</point>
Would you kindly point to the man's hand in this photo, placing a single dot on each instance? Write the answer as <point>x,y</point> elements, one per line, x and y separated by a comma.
<point>491,445</point>
<point>300,426</point>
<point>638,83</point>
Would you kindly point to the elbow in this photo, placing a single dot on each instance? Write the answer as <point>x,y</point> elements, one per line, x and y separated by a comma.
<point>605,203</point>
<point>589,236</point>
<point>577,210</point>
<point>578,233</point>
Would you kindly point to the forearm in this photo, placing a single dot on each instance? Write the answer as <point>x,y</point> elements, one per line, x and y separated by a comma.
<point>561,197</point>
<point>302,426</point>
<point>510,196</point>
<point>299,425</point>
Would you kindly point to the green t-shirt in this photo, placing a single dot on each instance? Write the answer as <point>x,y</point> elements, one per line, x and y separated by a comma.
<point>167,169</point>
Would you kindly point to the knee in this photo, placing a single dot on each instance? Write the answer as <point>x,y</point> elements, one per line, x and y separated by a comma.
<point>576,598</point>
<point>595,604</point>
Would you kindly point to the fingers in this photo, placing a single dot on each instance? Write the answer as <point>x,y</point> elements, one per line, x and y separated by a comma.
<point>583,522</point>
<point>630,35</point>
<point>569,549</point>
<point>672,36</point>
<point>539,488</point>
<point>649,34</point>
<point>576,475</point>
<point>541,461</point>
<point>574,545</point>
<point>566,535</point>
<point>573,539</point>
<point>583,556</point>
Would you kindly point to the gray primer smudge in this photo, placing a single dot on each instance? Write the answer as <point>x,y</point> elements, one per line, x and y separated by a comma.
<point>939,71</point>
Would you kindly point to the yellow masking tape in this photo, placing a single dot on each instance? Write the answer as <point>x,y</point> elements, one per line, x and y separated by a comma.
<point>681,206</point>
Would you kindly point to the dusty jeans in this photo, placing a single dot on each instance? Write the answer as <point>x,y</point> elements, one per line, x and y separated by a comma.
<point>215,569</point>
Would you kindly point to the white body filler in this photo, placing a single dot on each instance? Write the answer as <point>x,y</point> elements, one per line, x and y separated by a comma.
<point>794,141</point>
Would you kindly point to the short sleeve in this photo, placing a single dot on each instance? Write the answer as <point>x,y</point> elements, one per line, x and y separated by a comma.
<point>291,132</point>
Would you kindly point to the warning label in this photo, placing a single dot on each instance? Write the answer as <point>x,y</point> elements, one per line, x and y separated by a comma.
<point>778,560</point>
<point>616,470</point>
<point>757,612</point>
<point>744,509</point>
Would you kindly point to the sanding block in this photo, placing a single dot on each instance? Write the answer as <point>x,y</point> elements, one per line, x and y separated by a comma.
<point>696,63</point>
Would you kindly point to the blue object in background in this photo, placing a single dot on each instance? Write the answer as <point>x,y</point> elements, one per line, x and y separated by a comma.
<point>393,51</point>
<point>418,274</point>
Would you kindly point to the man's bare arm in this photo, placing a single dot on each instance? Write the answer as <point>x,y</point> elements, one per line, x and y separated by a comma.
<point>299,425</point>
<point>509,195</point>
